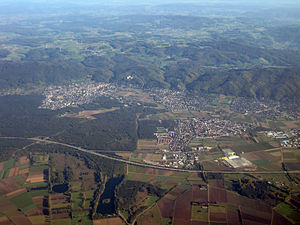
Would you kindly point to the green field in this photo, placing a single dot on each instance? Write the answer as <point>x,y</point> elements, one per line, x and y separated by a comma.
<point>199,214</point>
<point>76,200</point>
<point>251,147</point>
<point>23,201</point>
<point>9,164</point>
<point>289,212</point>
<point>37,219</point>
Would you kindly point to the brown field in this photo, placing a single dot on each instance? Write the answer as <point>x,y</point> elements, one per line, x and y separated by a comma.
<point>13,172</point>
<point>196,182</point>
<point>220,183</point>
<point>249,222</point>
<point>261,206</point>
<point>60,216</point>
<point>159,172</point>
<point>24,171</point>
<point>38,200</point>
<point>22,161</point>
<point>256,216</point>
<point>6,223</point>
<point>138,176</point>
<point>233,198</point>
<point>153,157</point>
<point>4,220</point>
<point>34,212</point>
<point>150,217</point>
<point>16,192</point>
<point>20,219</point>
<point>232,218</point>
<point>35,177</point>
<point>199,195</point>
<point>218,217</point>
<point>89,114</point>
<point>8,185</point>
<point>110,221</point>
<point>166,206</point>
<point>199,223</point>
<point>179,221</point>
<point>59,199</point>
<point>217,194</point>
<point>291,125</point>
<point>171,196</point>
<point>150,179</point>
<point>1,165</point>
<point>216,183</point>
<point>7,207</point>
<point>183,209</point>
<point>146,144</point>
<point>171,182</point>
<point>276,154</point>
<point>258,155</point>
<point>278,219</point>
<point>293,165</point>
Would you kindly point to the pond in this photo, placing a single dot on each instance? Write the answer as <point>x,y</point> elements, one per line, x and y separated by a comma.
<point>106,204</point>
<point>60,188</point>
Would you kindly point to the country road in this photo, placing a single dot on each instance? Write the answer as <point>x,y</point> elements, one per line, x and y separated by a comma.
<point>39,140</point>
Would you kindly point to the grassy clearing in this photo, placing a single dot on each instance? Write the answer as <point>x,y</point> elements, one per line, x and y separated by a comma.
<point>199,214</point>
<point>217,209</point>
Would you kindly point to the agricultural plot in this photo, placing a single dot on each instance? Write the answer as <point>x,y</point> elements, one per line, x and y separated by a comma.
<point>198,206</point>
<point>25,198</point>
<point>23,201</point>
<point>149,145</point>
<point>109,221</point>
<point>244,148</point>
<point>265,160</point>
<point>289,212</point>
<point>150,217</point>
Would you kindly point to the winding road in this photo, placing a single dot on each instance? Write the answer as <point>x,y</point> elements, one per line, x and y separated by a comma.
<point>46,141</point>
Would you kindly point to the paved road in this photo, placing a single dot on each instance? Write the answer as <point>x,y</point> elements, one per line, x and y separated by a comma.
<point>147,165</point>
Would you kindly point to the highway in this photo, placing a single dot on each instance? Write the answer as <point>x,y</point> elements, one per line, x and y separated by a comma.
<point>46,141</point>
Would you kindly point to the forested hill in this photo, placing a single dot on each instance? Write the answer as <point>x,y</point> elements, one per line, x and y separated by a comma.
<point>236,56</point>
<point>269,83</point>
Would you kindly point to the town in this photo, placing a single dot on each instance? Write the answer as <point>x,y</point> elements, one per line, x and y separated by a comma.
<point>177,154</point>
